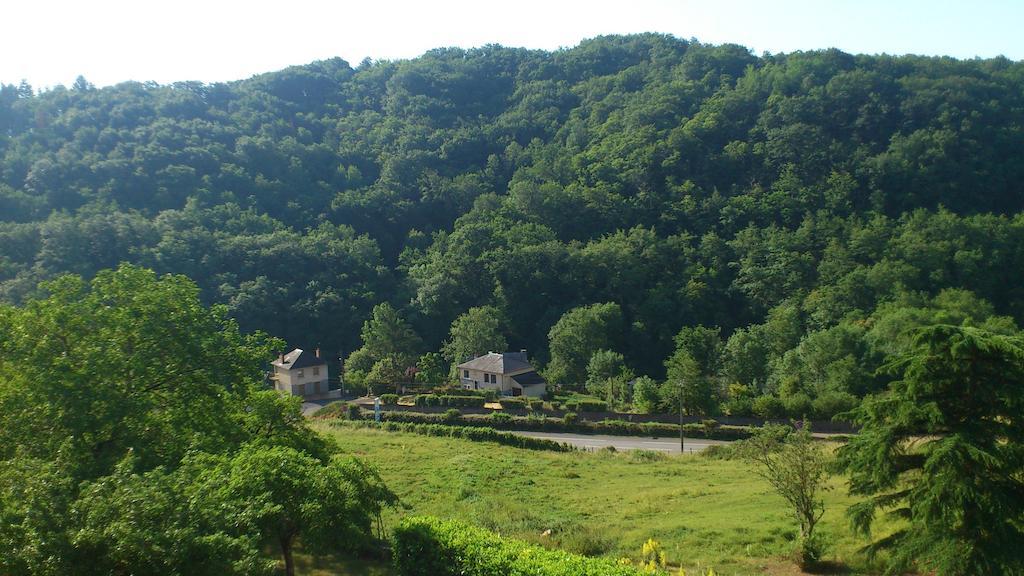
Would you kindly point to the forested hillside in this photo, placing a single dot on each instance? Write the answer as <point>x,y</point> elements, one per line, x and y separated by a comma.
<point>782,220</point>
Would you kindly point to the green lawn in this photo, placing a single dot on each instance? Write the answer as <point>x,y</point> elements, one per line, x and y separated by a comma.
<point>704,512</point>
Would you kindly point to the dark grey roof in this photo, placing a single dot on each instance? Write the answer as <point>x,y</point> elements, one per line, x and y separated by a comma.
<point>530,378</point>
<point>299,358</point>
<point>495,363</point>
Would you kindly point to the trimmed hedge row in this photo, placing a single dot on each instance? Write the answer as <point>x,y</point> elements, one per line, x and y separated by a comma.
<point>586,406</point>
<point>450,401</point>
<point>424,546</point>
<point>520,403</point>
<point>543,424</point>
<point>476,434</point>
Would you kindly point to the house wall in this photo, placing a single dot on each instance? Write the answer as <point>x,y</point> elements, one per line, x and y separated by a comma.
<point>309,384</point>
<point>475,381</point>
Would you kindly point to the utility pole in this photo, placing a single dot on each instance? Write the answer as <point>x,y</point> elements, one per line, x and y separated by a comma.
<point>682,441</point>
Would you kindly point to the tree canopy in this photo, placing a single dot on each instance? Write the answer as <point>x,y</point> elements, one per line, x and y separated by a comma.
<point>786,200</point>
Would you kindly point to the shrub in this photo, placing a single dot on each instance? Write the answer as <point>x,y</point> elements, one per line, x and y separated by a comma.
<point>798,405</point>
<point>570,418</point>
<point>829,404</point>
<point>501,417</point>
<point>769,407</point>
<point>720,452</point>
<point>354,412</point>
<point>431,547</point>
<point>710,426</point>
<point>513,403</point>
<point>450,401</point>
<point>811,550</point>
<point>741,407</point>
<point>451,415</point>
<point>389,399</point>
<point>332,410</point>
<point>584,405</point>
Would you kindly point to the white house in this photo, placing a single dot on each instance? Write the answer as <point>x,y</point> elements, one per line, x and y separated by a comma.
<point>300,373</point>
<point>509,373</point>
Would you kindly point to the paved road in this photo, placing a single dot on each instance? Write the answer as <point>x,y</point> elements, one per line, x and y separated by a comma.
<point>597,441</point>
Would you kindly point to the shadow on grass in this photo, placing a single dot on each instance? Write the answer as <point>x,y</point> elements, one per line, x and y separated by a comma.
<point>331,565</point>
<point>828,567</point>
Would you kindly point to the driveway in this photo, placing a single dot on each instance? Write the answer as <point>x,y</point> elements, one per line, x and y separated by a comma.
<point>598,441</point>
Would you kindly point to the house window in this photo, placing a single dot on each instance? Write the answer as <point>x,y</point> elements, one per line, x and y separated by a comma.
<point>316,371</point>
<point>301,373</point>
<point>465,373</point>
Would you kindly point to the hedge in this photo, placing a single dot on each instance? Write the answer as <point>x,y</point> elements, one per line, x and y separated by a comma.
<point>547,424</point>
<point>389,399</point>
<point>586,406</point>
<point>450,401</point>
<point>424,546</point>
<point>476,434</point>
<point>521,403</point>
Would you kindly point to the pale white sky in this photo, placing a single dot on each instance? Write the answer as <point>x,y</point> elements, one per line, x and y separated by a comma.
<point>49,42</point>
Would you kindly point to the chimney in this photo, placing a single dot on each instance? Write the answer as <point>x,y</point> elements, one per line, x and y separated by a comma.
<point>317,352</point>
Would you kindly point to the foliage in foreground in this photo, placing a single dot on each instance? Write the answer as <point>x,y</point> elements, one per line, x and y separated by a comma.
<point>943,450</point>
<point>134,439</point>
<point>425,546</point>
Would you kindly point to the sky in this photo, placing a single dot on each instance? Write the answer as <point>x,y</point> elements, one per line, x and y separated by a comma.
<point>51,42</point>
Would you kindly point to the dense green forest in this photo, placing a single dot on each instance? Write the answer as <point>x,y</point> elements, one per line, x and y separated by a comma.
<point>775,225</point>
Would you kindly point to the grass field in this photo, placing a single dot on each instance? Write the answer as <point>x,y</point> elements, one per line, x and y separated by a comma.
<point>705,512</point>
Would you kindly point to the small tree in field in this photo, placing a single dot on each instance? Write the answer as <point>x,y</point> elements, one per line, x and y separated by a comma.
<point>797,468</point>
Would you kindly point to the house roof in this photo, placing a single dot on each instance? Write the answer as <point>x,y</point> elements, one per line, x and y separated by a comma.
<point>299,358</point>
<point>528,378</point>
<point>495,363</point>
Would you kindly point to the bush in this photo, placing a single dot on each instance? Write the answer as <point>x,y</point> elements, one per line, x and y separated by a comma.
<point>720,452</point>
<point>354,412</point>
<point>583,405</point>
<point>811,550</point>
<point>332,410</point>
<point>570,418</point>
<point>501,418</point>
<point>451,415</point>
<point>740,407</point>
<point>829,404</point>
<point>389,399</point>
<point>432,547</point>
<point>710,426</point>
<point>513,403</point>
<point>769,407</point>
<point>450,401</point>
<point>798,405</point>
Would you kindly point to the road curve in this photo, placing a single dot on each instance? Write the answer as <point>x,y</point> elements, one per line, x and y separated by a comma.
<point>598,441</point>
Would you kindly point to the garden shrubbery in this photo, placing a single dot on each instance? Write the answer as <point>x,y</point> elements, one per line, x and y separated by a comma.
<point>430,547</point>
<point>583,405</point>
<point>450,401</point>
<point>389,399</point>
